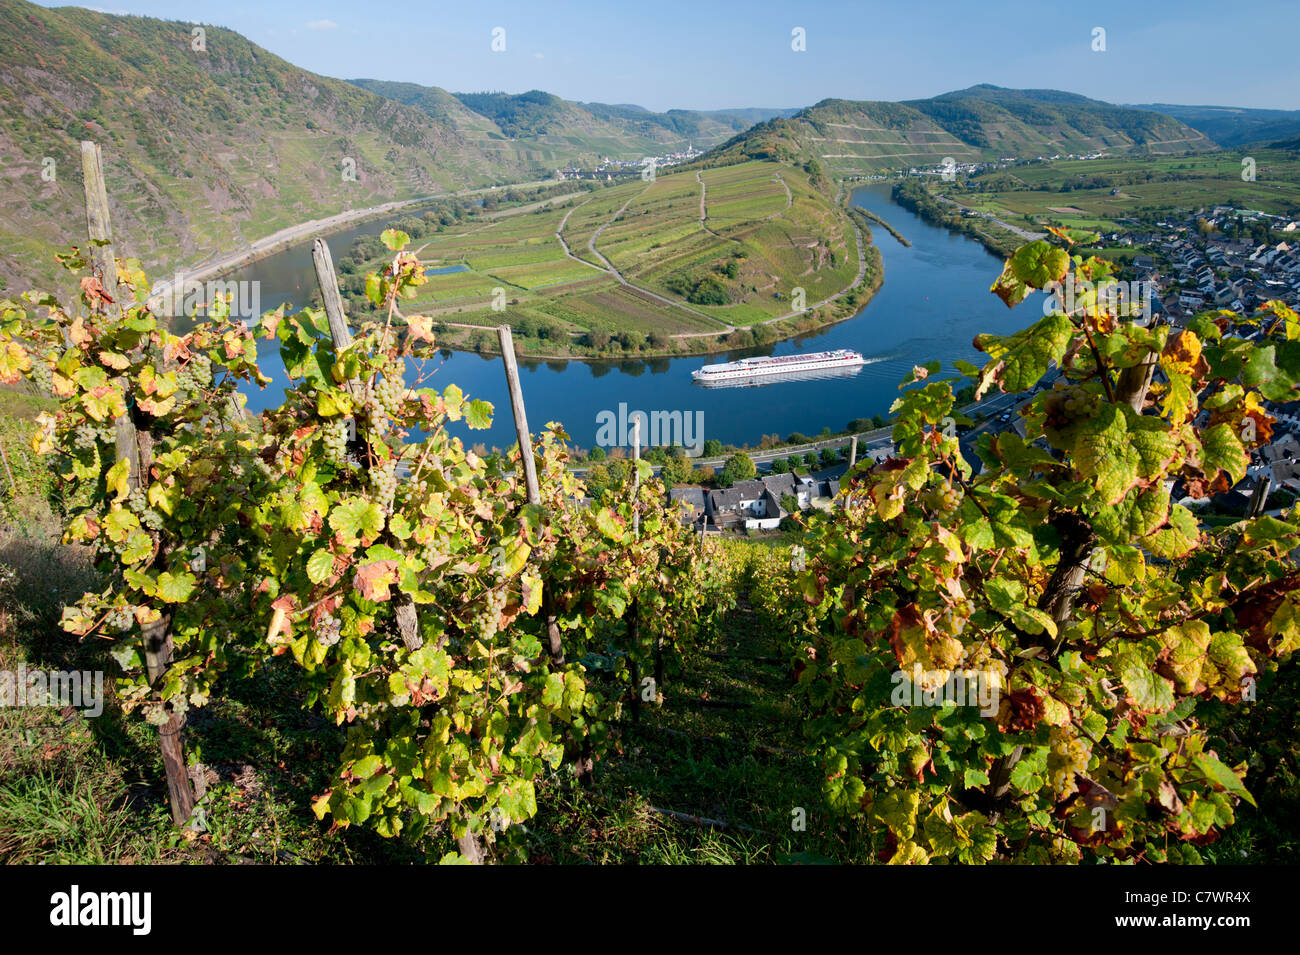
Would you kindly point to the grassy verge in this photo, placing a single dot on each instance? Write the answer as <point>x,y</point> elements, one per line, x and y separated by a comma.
<point>714,773</point>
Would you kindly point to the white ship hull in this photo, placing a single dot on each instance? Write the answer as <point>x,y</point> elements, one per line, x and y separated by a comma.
<point>749,369</point>
<point>781,378</point>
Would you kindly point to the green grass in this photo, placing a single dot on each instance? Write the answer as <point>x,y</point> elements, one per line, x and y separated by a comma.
<point>742,766</point>
<point>772,242</point>
<point>1147,185</point>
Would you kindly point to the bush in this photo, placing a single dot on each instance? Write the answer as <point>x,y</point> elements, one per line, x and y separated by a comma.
<point>739,467</point>
<point>709,291</point>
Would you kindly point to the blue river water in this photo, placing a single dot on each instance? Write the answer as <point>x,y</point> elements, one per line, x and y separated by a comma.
<point>935,299</point>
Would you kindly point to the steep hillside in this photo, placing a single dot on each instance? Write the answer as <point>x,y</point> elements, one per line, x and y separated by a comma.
<point>1029,121</point>
<point>204,150</point>
<point>554,131</point>
<point>1232,125</point>
<point>849,137</point>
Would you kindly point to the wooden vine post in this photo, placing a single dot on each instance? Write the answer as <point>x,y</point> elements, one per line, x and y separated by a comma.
<point>408,619</point>
<point>634,609</point>
<point>1259,497</point>
<point>136,446</point>
<point>554,644</point>
<point>584,761</point>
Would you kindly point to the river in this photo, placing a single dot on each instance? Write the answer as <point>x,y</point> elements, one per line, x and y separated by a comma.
<point>934,300</point>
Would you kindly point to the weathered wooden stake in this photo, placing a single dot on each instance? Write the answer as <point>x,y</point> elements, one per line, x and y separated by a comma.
<point>1259,497</point>
<point>556,646</point>
<point>329,290</point>
<point>408,620</point>
<point>136,448</point>
<point>636,476</point>
<point>4,457</point>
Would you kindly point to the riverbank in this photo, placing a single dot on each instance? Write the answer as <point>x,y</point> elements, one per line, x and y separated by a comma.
<point>283,239</point>
<point>577,318</point>
<point>915,197</point>
<point>872,217</point>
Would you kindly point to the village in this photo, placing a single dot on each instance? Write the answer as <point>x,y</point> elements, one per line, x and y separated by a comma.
<point>609,169</point>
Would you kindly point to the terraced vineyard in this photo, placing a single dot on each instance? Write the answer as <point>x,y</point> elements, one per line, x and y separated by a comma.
<point>1103,194</point>
<point>676,264</point>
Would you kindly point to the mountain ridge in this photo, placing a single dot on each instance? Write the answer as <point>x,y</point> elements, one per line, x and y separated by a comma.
<point>207,150</point>
<point>983,122</point>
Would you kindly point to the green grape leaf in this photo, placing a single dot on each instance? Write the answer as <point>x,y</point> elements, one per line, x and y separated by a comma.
<point>320,565</point>
<point>394,239</point>
<point>1221,450</point>
<point>175,588</point>
<point>1033,266</point>
<point>1222,776</point>
<point>357,520</point>
<point>478,414</point>
<point>1019,360</point>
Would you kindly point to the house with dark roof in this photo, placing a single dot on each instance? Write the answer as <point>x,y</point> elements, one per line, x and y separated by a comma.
<point>741,503</point>
<point>691,501</point>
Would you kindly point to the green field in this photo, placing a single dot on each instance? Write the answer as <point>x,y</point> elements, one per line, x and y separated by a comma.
<point>682,278</point>
<point>1082,193</point>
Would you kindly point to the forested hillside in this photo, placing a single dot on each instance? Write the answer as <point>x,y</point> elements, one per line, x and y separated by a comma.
<point>850,137</point>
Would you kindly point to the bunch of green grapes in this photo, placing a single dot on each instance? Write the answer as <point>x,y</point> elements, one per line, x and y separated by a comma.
<point>544,550</point>
<point>1068,403</point>
<point>431,553</point>
<point>390,393</point>
<point>88,435</point>
<point>1066,757</point>
<point>120,619</point>
<point>43,375</point>
<point>384,479</point>
<point>149,517</point>
<point>328,630</point>
<point>335,435</point>
<point>193,378</point>
<point>942,499</point>
<point>487,623</point>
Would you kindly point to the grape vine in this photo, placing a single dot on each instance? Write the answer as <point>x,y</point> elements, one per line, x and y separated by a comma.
<point>403,574</point>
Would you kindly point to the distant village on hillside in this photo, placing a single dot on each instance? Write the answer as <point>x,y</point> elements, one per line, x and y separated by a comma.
<point>609,169</point>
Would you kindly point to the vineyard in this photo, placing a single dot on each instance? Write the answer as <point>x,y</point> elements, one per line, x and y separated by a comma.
<point>468,637</point>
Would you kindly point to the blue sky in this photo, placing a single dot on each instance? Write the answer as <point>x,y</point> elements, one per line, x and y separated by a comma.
<point>712,54</point>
